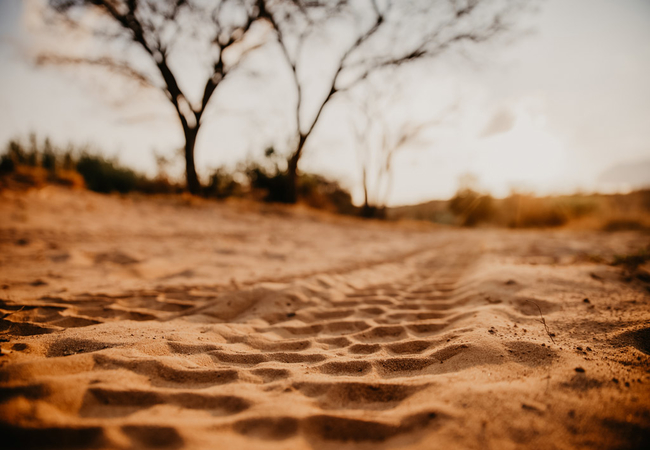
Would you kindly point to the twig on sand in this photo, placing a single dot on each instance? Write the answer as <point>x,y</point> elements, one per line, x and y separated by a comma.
<point>543,321</point>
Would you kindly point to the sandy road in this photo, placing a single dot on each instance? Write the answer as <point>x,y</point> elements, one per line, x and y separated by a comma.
<point>372,337</point>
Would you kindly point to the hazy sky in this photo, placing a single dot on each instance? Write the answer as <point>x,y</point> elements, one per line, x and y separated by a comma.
<point>549,112</point>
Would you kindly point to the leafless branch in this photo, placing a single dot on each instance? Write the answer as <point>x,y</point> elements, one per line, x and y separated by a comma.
<point>155,28</point>
<point>107,63</point>
<point>371,50</point>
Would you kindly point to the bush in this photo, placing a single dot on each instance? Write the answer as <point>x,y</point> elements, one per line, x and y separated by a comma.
<point>472,208</point>
<point>319,192</point>
<point>223,184</point>
<point>105,175</point>
<point>16,152</point>
<point>624,224</point>
<point>274,186</point>
<point>527,211</point>
<point>7,164</point>
<point>48,156</point>
<point>269,181</point>
<point>373,212</point>
<point>38,163</point>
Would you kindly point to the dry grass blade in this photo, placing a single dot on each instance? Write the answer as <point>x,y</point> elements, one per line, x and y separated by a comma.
<point>542,320</point>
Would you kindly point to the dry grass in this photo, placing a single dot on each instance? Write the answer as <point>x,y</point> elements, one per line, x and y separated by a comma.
<point>618,212</point>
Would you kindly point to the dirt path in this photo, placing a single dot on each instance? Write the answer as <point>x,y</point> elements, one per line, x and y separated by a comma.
<point>437,346</point>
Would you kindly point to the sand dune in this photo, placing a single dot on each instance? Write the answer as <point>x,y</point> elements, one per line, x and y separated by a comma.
<point>173,325</point>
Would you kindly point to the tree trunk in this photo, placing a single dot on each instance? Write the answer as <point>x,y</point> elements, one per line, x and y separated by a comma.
<point>292,172</point>
<point>193,184</point>
<point>291,195</point>
<point>366,203</point>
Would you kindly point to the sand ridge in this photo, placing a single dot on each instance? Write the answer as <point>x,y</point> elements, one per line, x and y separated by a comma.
<point>438,346</point>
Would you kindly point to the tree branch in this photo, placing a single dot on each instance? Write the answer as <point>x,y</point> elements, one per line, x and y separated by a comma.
<point>360,40</point>
<point>112,65</point>
<point>220,70</point>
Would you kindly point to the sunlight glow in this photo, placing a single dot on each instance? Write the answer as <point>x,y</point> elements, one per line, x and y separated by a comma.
<point>527,157</point>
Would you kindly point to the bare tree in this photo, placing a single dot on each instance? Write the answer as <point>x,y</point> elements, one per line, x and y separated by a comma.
<point>384,34</point>
<point>380,138</point>
<point>157,30</point>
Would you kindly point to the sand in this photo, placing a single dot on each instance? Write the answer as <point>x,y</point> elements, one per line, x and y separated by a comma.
<point>180,323</point>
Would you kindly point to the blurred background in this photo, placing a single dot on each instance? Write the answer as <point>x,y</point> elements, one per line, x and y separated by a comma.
<point>500,112</point>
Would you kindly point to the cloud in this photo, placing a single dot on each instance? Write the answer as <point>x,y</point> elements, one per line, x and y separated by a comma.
<point>634,174</point>
<point>501,122</point>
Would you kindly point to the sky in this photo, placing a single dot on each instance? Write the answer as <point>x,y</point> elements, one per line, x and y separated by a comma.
<point>547,113</point>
